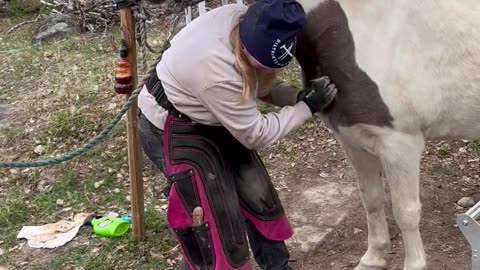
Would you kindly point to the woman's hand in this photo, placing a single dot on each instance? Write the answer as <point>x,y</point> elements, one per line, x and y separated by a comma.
<point>321,94</point>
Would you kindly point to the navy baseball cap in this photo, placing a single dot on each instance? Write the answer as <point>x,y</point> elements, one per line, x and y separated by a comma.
<point>268,31</point>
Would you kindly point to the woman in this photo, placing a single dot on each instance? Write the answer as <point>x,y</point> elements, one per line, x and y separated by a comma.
<point>199,123</point>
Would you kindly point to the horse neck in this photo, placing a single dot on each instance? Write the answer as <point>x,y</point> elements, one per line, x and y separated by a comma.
<point>376,9</point>
<point>326,46</point>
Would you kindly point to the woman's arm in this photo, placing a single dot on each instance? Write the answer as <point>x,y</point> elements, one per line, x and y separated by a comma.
<point>244,121</point>
<point>281,94</point>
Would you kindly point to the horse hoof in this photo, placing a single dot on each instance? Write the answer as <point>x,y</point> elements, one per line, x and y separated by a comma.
<point>365,267</point>
<point>372,265</point>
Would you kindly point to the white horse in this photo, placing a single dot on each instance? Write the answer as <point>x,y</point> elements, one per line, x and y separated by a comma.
<point>407,71</point>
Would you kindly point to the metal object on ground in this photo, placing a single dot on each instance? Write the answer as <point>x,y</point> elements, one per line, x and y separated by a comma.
<point>470,228</point>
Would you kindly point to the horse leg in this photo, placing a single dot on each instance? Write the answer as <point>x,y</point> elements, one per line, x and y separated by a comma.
<point>401,163</point>
<point>369,174</point>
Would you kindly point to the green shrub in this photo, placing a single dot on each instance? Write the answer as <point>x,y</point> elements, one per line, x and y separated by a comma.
<point>25,7</point>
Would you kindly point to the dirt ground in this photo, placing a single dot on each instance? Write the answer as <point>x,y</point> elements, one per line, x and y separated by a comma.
<point>449,172</point>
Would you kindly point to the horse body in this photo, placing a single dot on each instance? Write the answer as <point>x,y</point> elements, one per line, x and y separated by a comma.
<point>424,57</point>
<point>407,72</point>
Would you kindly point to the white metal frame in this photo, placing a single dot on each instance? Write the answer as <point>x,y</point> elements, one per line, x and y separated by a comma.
<point>470,228</point>
<point>202,9</point>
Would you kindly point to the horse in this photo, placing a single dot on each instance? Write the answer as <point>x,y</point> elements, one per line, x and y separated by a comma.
<point>406,73</point>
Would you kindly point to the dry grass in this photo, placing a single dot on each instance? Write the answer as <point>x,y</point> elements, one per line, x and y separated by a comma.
<point>62,94</point>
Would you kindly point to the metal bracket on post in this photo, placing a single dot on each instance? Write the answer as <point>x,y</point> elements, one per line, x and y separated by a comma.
<point>470,228</point>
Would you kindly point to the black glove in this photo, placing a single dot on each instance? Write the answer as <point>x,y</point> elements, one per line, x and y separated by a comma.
<point>320,95</point>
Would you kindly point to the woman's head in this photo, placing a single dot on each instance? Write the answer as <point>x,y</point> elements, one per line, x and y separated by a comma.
<point>264,39</point>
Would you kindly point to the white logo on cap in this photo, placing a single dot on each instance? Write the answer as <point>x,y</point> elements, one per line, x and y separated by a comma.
<point>287,52</point>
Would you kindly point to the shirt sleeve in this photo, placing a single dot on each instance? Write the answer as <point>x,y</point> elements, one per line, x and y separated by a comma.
<point>244,121</point>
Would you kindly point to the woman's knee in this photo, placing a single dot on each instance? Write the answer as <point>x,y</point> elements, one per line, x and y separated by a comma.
<point>152,142</point>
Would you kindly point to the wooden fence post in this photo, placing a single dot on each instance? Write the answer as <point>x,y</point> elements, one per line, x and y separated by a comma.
<point>135,158</point>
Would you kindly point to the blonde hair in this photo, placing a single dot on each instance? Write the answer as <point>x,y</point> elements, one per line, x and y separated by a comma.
<point>255,81</point>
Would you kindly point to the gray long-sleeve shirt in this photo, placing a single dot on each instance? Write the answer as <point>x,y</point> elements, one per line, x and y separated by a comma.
<point>200,79</point>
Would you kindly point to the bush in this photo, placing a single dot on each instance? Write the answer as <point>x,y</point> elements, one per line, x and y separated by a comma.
<point>24,7</point>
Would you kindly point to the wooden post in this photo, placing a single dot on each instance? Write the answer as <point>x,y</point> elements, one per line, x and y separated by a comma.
<point>135,158</point>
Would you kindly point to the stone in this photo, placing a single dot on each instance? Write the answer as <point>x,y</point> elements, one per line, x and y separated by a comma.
<point>39,150</point>
<point>54,27</point>
<point>466,202</point>
<point>324,175</point>
<point>99,183</point>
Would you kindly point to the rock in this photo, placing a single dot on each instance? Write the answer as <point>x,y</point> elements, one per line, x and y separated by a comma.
<point>112,106</point>
<point>56,26</point>
<point>99,183</point>
<point>117,190</point>
<point>466,202</point>
<point>324,175</point>
<point>39,150</point>
<point>54,31</point>
<point>44,186</point>
<point>1,252</point>
<point>60,202</point>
